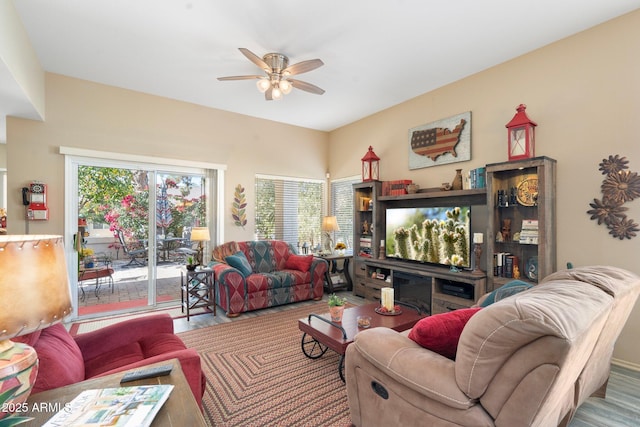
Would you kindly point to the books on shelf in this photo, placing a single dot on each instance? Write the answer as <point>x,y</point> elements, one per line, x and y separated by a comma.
<point>121,406</point>
<point>478,178</point>
<point>503,263</point>
<point>395,188</point>
<point>529,232</point>
<point>365,252</point>
<point>365,242</point>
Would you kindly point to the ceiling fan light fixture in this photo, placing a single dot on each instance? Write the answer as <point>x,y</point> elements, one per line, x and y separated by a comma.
<point>285,86</point>
<point>276,83</point>
<point>263,84</point>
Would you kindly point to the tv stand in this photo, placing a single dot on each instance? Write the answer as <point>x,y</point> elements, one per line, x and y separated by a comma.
<point>447,290</point>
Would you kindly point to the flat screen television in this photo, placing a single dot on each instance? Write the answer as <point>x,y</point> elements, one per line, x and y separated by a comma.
<point>435,235</point>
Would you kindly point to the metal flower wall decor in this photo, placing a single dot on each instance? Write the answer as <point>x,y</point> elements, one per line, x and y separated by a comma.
<point>238,209</point>
<point>619,186</point>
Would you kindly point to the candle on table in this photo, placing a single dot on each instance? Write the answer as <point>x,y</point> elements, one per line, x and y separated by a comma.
<point>478,237</point>
<point>387,298</point>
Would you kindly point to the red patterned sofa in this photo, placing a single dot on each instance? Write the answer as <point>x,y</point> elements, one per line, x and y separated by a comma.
<point>265,273</point>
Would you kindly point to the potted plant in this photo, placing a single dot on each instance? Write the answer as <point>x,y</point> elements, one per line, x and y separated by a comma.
<point>191,266</point>
<point>341,248</point>
<point>336,307</point>
<point>86,255</point>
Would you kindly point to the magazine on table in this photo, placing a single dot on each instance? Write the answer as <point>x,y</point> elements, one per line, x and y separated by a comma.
<point>121,406</point>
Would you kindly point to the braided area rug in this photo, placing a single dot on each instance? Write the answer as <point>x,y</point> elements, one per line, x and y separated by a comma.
<point>257,374</point>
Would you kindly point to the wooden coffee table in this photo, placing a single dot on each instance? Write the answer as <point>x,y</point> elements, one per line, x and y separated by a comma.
<point>320,334</point>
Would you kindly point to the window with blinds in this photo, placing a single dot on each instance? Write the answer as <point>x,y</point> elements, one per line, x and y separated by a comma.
<point>342,208</point>
<point>289,209</point>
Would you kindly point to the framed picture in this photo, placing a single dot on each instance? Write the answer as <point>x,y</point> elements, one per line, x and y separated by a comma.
<point>440,142</point>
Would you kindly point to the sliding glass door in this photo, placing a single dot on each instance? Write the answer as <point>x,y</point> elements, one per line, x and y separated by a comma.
<point>134,225</point>
<point>180,205</point>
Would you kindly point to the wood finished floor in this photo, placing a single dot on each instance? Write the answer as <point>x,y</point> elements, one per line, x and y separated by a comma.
<point>621,408</point>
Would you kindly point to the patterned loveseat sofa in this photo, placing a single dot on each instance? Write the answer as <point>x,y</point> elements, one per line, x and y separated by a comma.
<point>264,273</point>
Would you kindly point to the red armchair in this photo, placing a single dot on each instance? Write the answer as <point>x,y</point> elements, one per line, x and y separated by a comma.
<point>120,347</point>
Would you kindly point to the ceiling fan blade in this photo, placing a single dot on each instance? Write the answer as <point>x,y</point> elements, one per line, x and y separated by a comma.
<point>239,78</point>
<point>308,87</point>
<point>255,59</point>
<point>303,67</point>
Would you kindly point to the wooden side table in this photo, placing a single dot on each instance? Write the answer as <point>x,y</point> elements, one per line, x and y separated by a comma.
<point>181,409</point>
<point>197,290</point>
<point>335,271</point>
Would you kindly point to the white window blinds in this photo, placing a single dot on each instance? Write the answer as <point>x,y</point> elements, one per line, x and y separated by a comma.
<point>289,209</point>
<point>342,208</point>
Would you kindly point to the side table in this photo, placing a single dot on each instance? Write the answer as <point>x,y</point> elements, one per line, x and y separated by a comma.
<point>197,290</point>
<point>180,409</point>
<point>335,271</point>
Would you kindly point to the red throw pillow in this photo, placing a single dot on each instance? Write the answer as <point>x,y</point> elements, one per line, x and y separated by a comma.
<point>60,359</point>
<point>440,333</point>
<point>299,262</point>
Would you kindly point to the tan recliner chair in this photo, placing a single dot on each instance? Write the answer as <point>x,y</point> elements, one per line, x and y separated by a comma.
<point>520,361</point>
<point>623,287</point>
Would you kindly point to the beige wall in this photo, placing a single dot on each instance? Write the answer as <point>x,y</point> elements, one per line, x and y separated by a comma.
<point>87,115</point>
<point>584,93</point>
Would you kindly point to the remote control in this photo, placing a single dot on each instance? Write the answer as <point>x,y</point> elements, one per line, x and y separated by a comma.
<point>140,374</point>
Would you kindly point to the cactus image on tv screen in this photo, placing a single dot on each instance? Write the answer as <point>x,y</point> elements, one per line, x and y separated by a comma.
<point>436,235</point>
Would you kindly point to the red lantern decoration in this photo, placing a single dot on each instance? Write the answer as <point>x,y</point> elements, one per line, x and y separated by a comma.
<point>521,131</point>
<point>370,166</point>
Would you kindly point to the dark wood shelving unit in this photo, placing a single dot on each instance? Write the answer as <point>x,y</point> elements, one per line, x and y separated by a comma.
<point>365,245</point>
<point>505,176</point>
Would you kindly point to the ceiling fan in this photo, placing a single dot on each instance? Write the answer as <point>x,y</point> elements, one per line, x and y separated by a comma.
<point>276,82</point>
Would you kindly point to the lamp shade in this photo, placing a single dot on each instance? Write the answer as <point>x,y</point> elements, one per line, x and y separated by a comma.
<point>34,284</point>
<point>200,234</point>
<point>330,223</point>
<point>34,294</point>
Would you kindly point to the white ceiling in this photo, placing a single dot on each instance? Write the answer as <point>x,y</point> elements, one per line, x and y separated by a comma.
<point>377,53</point>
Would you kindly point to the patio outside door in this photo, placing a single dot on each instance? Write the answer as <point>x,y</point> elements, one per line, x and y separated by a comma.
<point>136,227</point>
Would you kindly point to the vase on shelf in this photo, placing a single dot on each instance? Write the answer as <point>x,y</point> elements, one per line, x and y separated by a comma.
<point>456,184</point>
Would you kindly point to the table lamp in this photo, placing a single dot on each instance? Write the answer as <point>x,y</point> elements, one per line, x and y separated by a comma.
<point>34,294</point>
<point>200,234</point>
<point>330,224</point>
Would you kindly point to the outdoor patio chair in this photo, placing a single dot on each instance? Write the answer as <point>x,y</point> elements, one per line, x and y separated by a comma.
<point>136,250</point>
<point>186,248</point>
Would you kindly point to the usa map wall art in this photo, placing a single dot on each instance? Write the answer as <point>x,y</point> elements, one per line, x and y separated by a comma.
<point>440,142</point>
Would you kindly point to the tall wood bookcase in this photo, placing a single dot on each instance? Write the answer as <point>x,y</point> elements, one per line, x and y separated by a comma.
<point>367,224</point>
<point>521,194</point>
